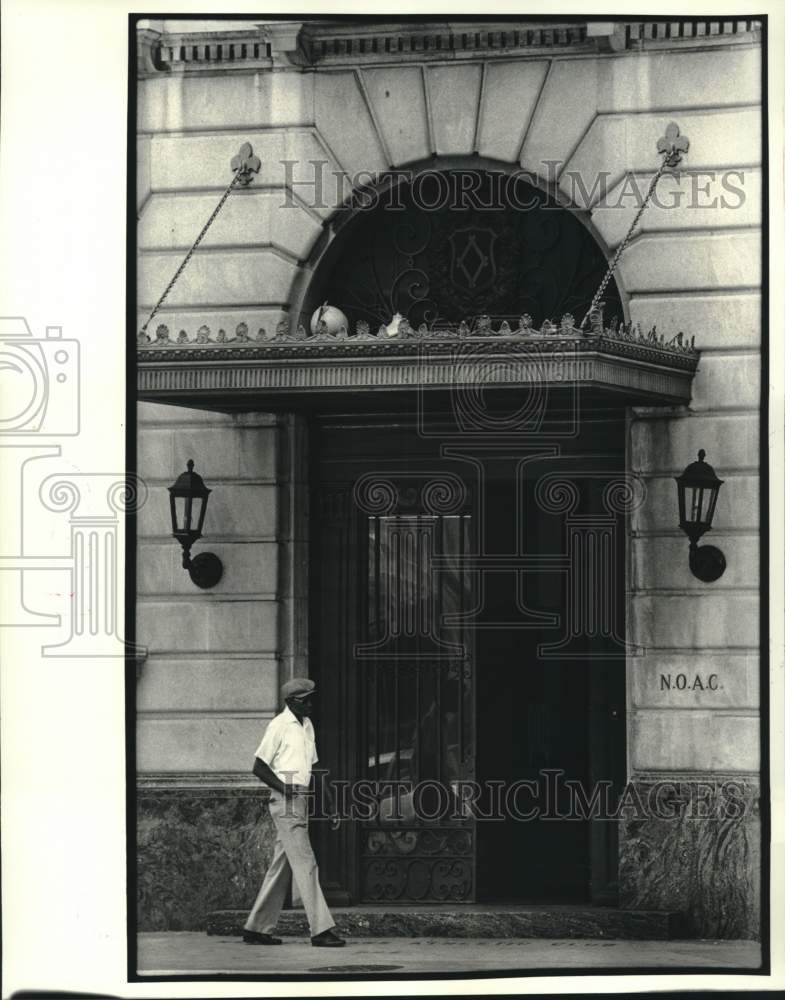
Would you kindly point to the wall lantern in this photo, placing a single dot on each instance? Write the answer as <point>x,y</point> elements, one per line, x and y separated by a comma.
<point>699,488</point>
<point>188,502</point>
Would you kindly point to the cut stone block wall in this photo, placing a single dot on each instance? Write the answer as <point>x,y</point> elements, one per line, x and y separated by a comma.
<point>210,680</point>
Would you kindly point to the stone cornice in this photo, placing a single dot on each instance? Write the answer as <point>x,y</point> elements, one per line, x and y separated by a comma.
<point>316,43</point>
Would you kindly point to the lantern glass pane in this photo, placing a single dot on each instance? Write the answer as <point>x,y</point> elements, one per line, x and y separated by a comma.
<point>200,509</point>
<point>715,492</point>
<point>179,506</point>
<point>188,512</point>
<point>697,504</point>
<point>173,511</point>
<point>682,515</point>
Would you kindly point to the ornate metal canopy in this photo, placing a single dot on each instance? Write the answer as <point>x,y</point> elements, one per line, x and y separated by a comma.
<point>292,367</point>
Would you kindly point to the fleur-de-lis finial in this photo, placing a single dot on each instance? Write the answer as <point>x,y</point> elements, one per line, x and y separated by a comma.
<point>673,145</point>
<point>245,164</point>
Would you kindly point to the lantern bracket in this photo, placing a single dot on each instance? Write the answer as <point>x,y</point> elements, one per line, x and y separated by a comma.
<point>205,570</point>
<point>707,562</point>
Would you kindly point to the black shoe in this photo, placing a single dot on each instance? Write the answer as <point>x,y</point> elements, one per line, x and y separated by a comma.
<point>327,939</point>
<point>253,937</point>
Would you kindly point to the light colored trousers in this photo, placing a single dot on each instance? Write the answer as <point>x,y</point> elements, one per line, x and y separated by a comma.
<point>293,854</point>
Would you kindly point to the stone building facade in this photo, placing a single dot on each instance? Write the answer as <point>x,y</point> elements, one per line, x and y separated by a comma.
<point>231,376</point>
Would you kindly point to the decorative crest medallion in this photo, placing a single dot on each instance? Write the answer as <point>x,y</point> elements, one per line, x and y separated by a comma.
<point>473,264</point>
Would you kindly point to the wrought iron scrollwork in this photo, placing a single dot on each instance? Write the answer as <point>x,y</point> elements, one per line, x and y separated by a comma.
<point>503,250</point>
<point>418,865</point>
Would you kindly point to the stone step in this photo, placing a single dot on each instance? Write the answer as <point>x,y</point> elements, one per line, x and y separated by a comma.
<point>472,921</point>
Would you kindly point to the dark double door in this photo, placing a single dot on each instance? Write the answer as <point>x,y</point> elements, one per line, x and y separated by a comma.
<point>466,624</point>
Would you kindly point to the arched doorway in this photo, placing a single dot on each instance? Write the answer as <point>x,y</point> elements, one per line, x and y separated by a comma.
<point>451,244</point>
<point>467,569</point>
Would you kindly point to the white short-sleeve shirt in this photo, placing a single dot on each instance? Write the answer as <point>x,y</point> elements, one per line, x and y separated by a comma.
<point>289,748</point>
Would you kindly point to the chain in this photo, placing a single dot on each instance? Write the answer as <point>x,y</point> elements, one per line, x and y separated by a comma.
<point>237,177</point>
<point>624,243</point>
<point>240,176</point>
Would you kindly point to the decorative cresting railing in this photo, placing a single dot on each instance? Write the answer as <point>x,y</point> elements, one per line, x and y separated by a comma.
<point>619,356</point>
<point>399,332</point>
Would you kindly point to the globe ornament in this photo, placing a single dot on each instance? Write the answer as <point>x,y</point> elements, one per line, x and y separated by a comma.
<point>328,320</point>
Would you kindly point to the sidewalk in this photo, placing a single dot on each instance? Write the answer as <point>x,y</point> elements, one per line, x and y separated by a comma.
<point>190,952</point>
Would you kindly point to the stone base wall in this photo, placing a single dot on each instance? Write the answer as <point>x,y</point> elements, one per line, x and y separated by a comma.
<point>699,854</point>
<point>199,850</point>
<point>688,846</point>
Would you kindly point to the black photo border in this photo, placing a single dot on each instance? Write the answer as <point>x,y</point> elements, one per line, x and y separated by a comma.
<point>131,531</point>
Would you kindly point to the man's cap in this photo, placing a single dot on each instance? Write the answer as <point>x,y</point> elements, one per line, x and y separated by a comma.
<point>298,687</point>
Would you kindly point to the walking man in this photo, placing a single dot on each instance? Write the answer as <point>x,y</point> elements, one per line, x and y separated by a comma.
<point>283,761</point>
